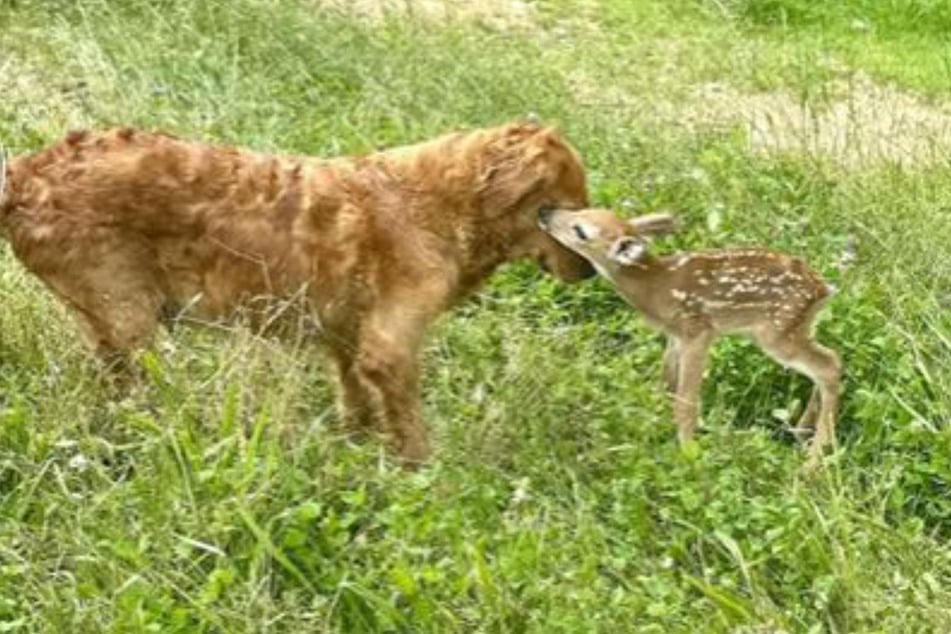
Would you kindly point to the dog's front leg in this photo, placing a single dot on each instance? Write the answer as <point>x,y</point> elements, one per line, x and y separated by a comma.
<point>353,398</point>
<point>380,390</point>
<point>379,375</point>
<point>393,374</point>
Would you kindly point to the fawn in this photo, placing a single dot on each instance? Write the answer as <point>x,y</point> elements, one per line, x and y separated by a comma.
<point>695,297</point>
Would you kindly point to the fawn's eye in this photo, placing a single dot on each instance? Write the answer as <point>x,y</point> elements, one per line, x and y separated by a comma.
<point>580,232</point>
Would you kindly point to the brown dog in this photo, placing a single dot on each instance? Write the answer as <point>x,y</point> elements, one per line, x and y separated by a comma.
<point>126,227</point>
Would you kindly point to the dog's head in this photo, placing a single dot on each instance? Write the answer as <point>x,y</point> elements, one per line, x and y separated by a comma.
<point>531,167</point>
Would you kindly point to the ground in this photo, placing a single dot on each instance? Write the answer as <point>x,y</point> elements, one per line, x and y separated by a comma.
<point>220,496</point>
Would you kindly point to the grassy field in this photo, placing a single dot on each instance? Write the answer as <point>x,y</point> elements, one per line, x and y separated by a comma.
<point>221,497</point>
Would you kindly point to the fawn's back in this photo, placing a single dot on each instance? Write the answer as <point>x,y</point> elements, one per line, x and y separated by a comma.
<point>727,291</point>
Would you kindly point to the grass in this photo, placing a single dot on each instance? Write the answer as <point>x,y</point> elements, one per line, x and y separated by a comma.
<point>220,497</point>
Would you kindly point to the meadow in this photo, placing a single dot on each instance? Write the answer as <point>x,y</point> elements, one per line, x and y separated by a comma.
<point>221,495</point>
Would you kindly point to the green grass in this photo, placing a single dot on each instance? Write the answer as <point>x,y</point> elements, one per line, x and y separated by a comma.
<point>220,495</point>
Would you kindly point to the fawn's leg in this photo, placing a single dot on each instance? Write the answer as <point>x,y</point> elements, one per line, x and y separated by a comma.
<point>807,420</point>
<point>802,353</point>
<point>671,369</point>
<point>826,371</point>
<point>690,363</point>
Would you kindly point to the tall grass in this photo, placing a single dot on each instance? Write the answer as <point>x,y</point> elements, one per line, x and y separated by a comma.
<point>220,495</point>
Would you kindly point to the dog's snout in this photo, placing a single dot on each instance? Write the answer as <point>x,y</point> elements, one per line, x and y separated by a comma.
<point>587,272</point>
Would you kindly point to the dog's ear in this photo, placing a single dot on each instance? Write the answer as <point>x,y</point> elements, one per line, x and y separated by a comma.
<point>551,135</point>
<point>654,224</point>
<point>517,170</point>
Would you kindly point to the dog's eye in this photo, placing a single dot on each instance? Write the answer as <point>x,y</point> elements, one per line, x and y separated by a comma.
<point>580,232</point>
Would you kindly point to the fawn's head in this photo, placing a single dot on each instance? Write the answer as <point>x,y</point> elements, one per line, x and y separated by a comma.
<point>603,238</point>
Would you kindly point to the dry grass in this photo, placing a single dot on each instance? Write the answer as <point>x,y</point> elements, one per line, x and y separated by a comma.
<point>865,124</point>
<point>498,14</point>
<point>858,122</point>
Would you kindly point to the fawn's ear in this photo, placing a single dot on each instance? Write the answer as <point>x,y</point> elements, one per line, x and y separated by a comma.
<point>627,250</point>
<point>654,224</point>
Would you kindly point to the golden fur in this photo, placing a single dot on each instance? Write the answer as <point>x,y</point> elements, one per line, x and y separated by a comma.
<point>126,227</point>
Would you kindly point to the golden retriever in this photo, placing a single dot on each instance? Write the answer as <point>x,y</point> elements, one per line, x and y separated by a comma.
<point>128,227</point>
